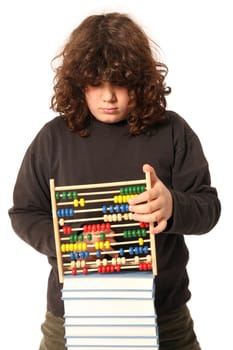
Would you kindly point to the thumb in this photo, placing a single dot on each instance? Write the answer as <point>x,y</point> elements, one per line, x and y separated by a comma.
<point>149,169</point>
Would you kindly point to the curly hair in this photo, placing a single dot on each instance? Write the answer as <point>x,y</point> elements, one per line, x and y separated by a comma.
<point>113,48</point>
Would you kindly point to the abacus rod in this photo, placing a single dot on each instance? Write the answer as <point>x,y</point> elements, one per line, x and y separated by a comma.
<point>122,267</point>
<point>98,218</point>
<point>100,185</point>
<point>152,236</point>
<point>67,237</point>
<point>100,200</point>
<point>56,231</point>
<point>109,262</point>
<point>109,252</point>
<point>112,226</point>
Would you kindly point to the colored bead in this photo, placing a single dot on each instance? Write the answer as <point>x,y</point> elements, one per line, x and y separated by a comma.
<point>72,264</point>
<point>98,262</point>
<point>140,241</point>
<point>85,271</point>
<point>104,209</point>
<point>98,253</point>
<point>89,237</point>
<point>107,245</point>
<point>121,251</point>
<point>105,262</point>
<point>74,271</point>
<point>102,236</point>
<point>82,202</point>
<point>117,268</point>
<point>75,203</point>
<point>57,196</point>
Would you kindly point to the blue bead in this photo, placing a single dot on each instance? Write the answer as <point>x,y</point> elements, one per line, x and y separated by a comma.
<point>131,250</point>
<point>117,208</point>
<point>121,251</point>
<point>104,209</point>
<point>98,253</point>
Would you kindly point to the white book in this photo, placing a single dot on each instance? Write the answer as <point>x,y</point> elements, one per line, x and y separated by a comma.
<point>137,280</point>
<point>109,307</point>
<point>98,320</point>
<point>113,330</point>
<point>112,341</point>
<point>112,347</point>
<point>106,294</point>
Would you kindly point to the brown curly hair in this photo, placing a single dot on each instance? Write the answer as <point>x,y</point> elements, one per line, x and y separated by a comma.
<point>113,48</point>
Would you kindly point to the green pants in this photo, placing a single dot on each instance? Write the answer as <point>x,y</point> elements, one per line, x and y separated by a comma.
<point>175,332</point>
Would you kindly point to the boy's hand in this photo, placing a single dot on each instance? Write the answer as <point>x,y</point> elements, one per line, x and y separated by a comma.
<point>154,205</point>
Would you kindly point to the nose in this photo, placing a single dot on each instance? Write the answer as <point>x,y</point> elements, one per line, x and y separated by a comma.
<point>108,93</point>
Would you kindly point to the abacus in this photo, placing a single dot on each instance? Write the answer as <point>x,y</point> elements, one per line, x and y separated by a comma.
<point>95,234</point>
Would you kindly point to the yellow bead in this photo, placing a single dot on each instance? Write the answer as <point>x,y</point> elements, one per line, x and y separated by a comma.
<point>75,202</point>
<point>107,244</point>
<point>82,202</point>
<point>140,241</point>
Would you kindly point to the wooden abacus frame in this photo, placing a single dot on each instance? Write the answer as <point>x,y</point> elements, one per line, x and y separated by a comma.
<point>60,219</point>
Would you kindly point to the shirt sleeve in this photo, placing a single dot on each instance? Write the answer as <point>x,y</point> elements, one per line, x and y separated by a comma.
<point>31,211</point>
<point>196,207</point>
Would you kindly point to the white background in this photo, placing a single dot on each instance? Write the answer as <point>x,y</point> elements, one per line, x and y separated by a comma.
<point>196,41</point>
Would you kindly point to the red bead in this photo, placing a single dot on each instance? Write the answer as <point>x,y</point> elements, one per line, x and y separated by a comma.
<point>140,267</point>
<point>67,230</point>
<point>74,271</point>
<point>107,226</point>
<point>85,271</point>
<point>118,268</point>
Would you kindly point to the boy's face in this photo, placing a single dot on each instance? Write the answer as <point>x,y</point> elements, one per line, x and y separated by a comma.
<point>108,103</point>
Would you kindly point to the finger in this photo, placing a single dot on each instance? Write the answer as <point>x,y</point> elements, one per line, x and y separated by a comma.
<point>153,176</point>
<point>160,227</point>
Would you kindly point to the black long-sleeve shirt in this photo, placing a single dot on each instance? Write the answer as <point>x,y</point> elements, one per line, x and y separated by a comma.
<point>110,154</point>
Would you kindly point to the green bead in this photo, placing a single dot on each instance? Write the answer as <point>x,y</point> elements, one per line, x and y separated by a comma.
<point>125,234</point>
<point>63,195</point>
<point>102,236</point>
<point>134,233</point>
<point>89,237</point>
<point>57,195</point>
<point>74,195</point>
<point>80,237</point>
<point>75,237</point>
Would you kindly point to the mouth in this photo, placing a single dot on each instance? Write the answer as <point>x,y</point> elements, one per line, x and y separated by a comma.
<point>110,110</point>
